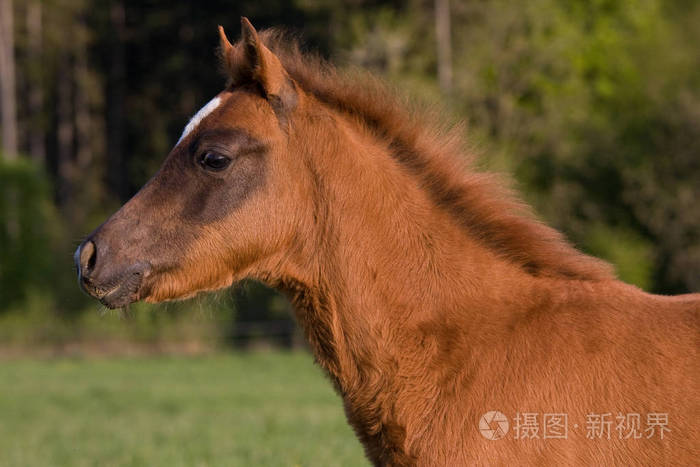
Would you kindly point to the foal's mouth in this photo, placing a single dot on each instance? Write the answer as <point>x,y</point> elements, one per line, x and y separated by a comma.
<point>120,292</point>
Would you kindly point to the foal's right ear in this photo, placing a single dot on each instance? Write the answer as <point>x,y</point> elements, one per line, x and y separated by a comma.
<point>251,61</point>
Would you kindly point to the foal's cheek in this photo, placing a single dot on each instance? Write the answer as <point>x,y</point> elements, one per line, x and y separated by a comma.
<point>214,199</point>
<point>215,227</point>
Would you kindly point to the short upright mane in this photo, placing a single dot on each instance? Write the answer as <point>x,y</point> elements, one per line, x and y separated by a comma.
<point>476,200</point>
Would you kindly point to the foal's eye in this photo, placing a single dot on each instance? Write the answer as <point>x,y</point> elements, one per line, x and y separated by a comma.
<point>213,161</point>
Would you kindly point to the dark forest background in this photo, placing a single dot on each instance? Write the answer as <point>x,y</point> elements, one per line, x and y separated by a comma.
<point>592,105</point>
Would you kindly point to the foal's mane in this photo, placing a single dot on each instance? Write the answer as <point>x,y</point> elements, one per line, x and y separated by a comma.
<point>478,201</point>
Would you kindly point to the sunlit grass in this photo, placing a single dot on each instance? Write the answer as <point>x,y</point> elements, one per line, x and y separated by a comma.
<point>244,409</point>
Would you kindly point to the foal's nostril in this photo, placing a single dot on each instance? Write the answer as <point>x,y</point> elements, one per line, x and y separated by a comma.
<point>88,256</point>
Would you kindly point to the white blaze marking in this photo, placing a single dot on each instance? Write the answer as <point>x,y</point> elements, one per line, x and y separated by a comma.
<point>199,116</point>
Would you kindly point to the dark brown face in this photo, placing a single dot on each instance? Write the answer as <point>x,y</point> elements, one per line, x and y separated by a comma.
<point>208,214</point>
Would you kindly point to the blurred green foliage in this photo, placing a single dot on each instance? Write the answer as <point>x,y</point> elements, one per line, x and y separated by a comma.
<point>594,106</point>
<point>29,232</point>
<point>36,326</point>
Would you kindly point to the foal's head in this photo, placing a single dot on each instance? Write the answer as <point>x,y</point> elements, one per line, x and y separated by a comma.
<point>225,201</point>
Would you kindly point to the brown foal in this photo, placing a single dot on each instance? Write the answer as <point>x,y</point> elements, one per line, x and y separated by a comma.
<point>457,329</point>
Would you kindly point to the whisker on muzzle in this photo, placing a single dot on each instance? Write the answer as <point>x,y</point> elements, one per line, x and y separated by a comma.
<point>102,310</point>
<point>125,312</point>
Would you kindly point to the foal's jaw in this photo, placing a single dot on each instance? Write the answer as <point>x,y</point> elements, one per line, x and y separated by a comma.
<point>168,287</point>
<point>116,286</point>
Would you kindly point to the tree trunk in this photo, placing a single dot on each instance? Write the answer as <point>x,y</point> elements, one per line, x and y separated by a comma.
<point>37,128</point>
<point>83,137</point>
<point>7,81</point>
<point>82,107</point>
<point>116,93</point>
<point>65,130</point>
<point>444,46</point>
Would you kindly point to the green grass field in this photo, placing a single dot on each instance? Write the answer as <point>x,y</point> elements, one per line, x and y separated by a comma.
<point>243,409</point>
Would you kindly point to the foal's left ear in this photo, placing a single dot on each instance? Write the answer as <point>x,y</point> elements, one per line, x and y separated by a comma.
<point>252,61</point>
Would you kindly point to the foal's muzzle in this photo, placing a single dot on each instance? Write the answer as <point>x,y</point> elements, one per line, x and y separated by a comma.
<point>112,284</point>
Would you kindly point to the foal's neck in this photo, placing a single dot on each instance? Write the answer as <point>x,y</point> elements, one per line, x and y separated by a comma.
<point>390,274</point>
<point>389,289</point>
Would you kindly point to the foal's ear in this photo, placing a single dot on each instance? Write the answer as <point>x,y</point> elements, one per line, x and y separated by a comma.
<point>250,61</point>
